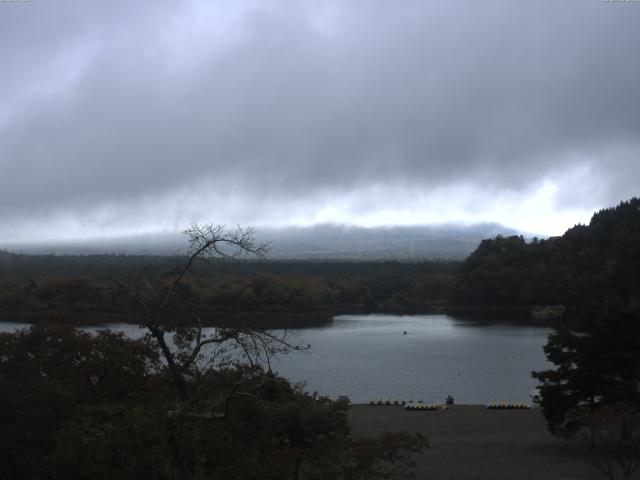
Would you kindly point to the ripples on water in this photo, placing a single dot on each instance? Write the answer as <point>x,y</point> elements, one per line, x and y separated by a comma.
<point>367,356</point>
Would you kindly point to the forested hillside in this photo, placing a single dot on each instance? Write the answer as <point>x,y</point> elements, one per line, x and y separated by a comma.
<point>86,287</point>
<point>588,264</point>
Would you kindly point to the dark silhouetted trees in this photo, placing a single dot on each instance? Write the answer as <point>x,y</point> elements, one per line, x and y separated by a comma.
<point>587,264</point>
<point>178,403</point>
<point>597,359</point>
<point>76,405</point>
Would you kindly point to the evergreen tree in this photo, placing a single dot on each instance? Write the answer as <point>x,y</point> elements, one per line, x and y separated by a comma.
<point>597,362</point>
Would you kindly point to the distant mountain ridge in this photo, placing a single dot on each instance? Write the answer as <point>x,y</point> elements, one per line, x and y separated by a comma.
<point>319,242</point>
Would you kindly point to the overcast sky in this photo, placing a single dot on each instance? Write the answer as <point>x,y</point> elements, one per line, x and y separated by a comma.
<point>120,116</point>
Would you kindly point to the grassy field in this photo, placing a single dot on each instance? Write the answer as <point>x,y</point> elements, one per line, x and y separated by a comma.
<point>469,442</point>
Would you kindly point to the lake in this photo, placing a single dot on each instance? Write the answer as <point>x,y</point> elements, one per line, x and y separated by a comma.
<point>370,356</point>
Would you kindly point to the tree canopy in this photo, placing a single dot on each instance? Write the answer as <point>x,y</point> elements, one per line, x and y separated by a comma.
<point>178,403</point>
<point>589,263</point>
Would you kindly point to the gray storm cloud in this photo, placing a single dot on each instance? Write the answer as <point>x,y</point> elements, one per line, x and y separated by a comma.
<point>276,102</point>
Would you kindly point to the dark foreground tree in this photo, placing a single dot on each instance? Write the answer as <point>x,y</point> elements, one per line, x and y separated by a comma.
<point>78,406</point>
<point>53,376</point>
<point>592,397</point>
<point>182,402</point>
<point>185,347</point>
<point>597,358</point>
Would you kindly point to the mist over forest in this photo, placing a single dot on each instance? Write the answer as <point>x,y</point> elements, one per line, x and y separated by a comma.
<point>319,242</point>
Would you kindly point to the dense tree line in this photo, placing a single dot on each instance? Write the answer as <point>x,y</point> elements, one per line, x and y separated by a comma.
<point>588,264</point>
<point>83,287</point>
<point>81,406</point>
<point>592,396</point>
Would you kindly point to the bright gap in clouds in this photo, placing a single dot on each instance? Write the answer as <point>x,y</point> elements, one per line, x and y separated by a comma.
<point>118,118</point>
<point>535,212</point>
<point>532,211</point>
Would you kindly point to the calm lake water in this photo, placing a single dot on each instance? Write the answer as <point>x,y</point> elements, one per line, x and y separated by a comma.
<point>370,356</point>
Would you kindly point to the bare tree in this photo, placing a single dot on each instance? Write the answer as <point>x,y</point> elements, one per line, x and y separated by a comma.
<point>187,350</point>
<point>611,440</point>
<point>296,435</point>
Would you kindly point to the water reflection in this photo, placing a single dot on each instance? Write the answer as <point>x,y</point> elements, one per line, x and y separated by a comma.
<point>370,355</point>
<point>421,357</point>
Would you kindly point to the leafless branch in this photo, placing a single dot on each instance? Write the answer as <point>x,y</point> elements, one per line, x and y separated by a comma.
<point>185,349</point>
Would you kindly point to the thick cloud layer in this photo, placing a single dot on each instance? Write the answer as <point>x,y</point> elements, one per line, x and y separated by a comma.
<point>119,113</point>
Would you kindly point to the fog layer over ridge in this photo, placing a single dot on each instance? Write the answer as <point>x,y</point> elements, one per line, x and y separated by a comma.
<point>120,117</point>
<point>318,242</point>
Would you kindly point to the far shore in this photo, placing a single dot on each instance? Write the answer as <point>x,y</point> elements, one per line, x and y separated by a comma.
<point>274,319</point>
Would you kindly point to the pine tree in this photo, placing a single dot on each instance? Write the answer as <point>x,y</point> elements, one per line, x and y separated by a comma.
<point>597,362</point>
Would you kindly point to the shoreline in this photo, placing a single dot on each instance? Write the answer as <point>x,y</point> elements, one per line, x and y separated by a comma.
<point>280,318</point>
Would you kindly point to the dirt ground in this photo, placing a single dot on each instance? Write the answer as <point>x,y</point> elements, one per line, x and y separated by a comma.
<point>470,442</point>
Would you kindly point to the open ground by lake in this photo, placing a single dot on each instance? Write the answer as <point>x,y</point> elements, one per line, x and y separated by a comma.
<point>470,442</point>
